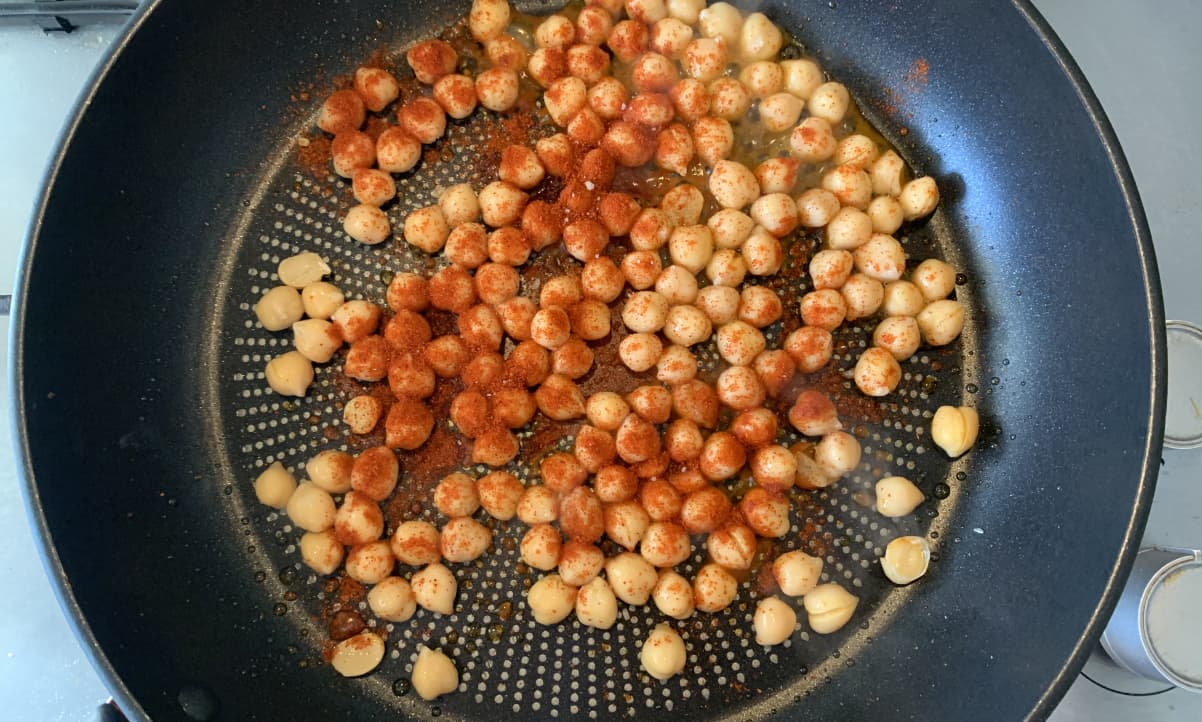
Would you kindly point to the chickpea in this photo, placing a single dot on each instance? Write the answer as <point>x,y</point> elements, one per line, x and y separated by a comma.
<point>759,306</point>
<point>683,204</point>
<point>906,559</point>
<point>696,401</point>
<point>691,247</point>
<point>862,295</point>
<point>397,151</point>
<point>279,308</point>
<point>676,365</point>
<point>663,654</point>
<point>797,573</point>
<point>775,213</point>
<point>626,522</point>
<point>358,655</point>
<point>645,312</point>
<point>813,140</point>
<point>955,429</point>
<point>722,456</point>
<point>730,228</point>
<point>825,309</point>
<point>434,588</point>
<point>392,600</point>
<point>367,224</point>
<point>726,268</point>
<point>767,513</point>
<point>456,95</point>
<point>704,59</point>
<point>739,343</point>
<point>918,198</point>
<point>763,79</point>
<point>885,213</point>
<point>665,544</point>
<point>713,139</point>
<point>540,547</point>
<point>447,356</point>
<point>488,18</point>
<point>899,335</point>
<point>499,493</point>
<point>455,495</point>
<point>941,322</point>
<point>887,172</point>
<point>551,327</point>
<point>687,325</point>
<point>801,77</point>
<point>416,543</point>
<point>601,280</point>
<point>754,427</point>
<point>669,37</point>
<point>809,474</point>
<point>370,563</point>
<point>467,245</point>
<point>321,552</point>
<point>427,229</point>
<point>555,31</point>
<point>556,154</point>
<point>721,20</point>
<point>653,403</point>
<point>897,496</point>
<point>606,410</point>
<point>538,505</point>
<point>838,453</point>
<point>829,101</point>
<point>641,269</point>
<point>615,483</point>
<point>686,11</point>
<point>816,207</point>
<point>424,119</point>
<point>677,285</point>
<point>877,372</point>
<point>674,149</point>
<point>673,595</point>
<point>344,110</point>
<point>497,89</point>
<point>759,38</point>
<point>850,185</point>
<point>653,73</point>
<point>434,674</point>
<point>372,187</point>
<point>289,374</point>
<point>763,253</point>
<point>774,468</point>
<point>704,510</point>
<point>935,279</point>
<point>274,486</point>
<point>547,65</point>
<point>774,621</point>
<point>593,25</point>
<point>733,185</point>
<point>362,413</point>
<point>564,98</point>
<point>849,229</point>
<point>559,398</point>
<point>406,291</point>
<point>632,577</point>
<point>729,99</point>
<point>580,563</point>
<point>814,414</point>
<point>690,98</point>
<point>830,268</point>
<point>637,439</point>
<point>902,298</point>
<point>829,607</point>
<point>351,150</point>
<point>596,604</point>
<point>528,363</point>
<point>739,388</point>
<point>714,588</point>
<point>464,539</point>
<point>319,300</point>
<point>356,320</point>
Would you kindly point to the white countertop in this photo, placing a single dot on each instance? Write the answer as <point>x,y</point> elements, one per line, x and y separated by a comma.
<point>1142,60</point>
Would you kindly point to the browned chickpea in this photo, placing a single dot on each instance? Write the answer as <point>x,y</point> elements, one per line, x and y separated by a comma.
<point>559,398</point>
<point>615,483</point>
<point>775,369</point>
<point>573,359</point>
<point>637,439</point>
<point>754,427</point>
<point>496,283</point>
<point>660,499</point>
<point>561,472</point>
<point>528,363</point>
<point>447,355</point>
<point>496,447</point>
<point>408,291</point>
<point>514,407</point>
<point>704,510</point>
<point>688,479</point>
<point>653,403</point>
<point>696,401</point>
<point>617,212</point>
<point>408,424</point>
<point>374,473</point>
<point>367,359</point>
<point>595,449</point>
<point>483,370</point>
<point>471,413</point>
<point>410,375</point>
<point>722,457</point>
<point>452,289</point>
<point>481,328</point>
<point>683,440</point>
<point>542,222</point>
<point>814,414</point>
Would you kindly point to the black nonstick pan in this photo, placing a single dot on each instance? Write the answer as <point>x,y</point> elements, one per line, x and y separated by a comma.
<point>142,415</point>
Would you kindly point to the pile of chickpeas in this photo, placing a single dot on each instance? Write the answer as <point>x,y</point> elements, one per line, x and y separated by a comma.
<point>649,469</point>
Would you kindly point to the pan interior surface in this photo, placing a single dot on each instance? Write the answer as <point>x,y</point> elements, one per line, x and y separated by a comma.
<point>148,509</point>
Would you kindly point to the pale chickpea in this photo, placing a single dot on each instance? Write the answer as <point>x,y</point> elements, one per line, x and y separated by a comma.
<point>686,11</point>
<point>416,543</point>
<point>464,539</point>
<point>882,258</point>
<point>733,185</point>
<point>885,213</point>
<point>838,453</point>
<point>726,268</point>
<point>501,203</point>
<point>488,18</point>
<point>691,247</point>
<point>897,496</point>
<point>704,59</point>
<point>632,578</point>
<point>759,38</point>
<point>497,89</point>
<point>763,79</point>
<point>829,101</point>
<point>721,20</point>
<point>729,99</point>
<point>367,224</point>
<point>714,588</point>
<point>774,621</point>
<point>739,387</point>
<point>776,213</point>
<point>596,604</point>
<point>730,228</point>
<point>677,285</point>
<point>739,343</point>
<point>888,173</point>
<point>935,279</point>
<point>356,319</point>
<point>555,31</point>
<point>810,474</point>
<point>370,563</point>
<point>941,322</point>
<point>606,410</point>
<point>849,229</point>
<point>918,198</point>
<point>499,493</point>
<point>813,140</point>
<point>321,552</point>
<point>362,413</point>
<point>540,547</point>
<point>732,547</point>
<point>829,607</point>
<point>759,306</point>
<point>456,95</point>
<point>906,559</point>
<point>626,522</point>
<point>797,573</point>
<point>331,471</point>
<point>274,486</point>
<point>641,269</point>
<point>816,207</point>
<point>687,325</point>
<point>778,175</point>
<point>427,229</point>
<point>537,505</point>
<point>850,185</point>
<point>651,230</point>
<point>280,308</point>
<point>877,372</point>
<point>899,335</point>
<point>762,252</point>
<point>719,303</point>
<point>862,295</point>
<point>392,600</point>
<point>665,544</point>
<point>713,139</point>
<point>683,204</point>
<point>673,595</point>
<point>902,298</point>
<point>289,374</point>
<point>320,300</point>
<point>676,364</point>
<point>802,77</point>
<point>645,312</point>
<point>434,589</point>
<point>830,268</point>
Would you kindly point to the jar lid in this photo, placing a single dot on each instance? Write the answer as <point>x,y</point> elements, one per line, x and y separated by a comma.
<point>1183,415</point>
<point>1172,622</point>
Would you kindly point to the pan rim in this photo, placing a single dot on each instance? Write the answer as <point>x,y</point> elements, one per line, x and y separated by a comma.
<point>1056,687</point>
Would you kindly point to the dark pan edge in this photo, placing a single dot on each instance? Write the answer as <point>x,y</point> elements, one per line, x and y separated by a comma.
<point>1155,306</point>
<point>51,562</point>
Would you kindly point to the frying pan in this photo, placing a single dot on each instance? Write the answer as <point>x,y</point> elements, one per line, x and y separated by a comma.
<point>142,416</point>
